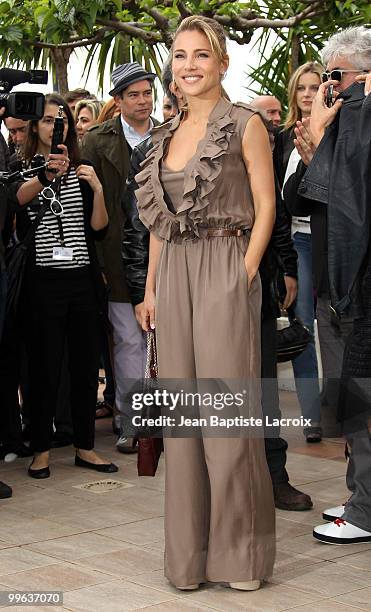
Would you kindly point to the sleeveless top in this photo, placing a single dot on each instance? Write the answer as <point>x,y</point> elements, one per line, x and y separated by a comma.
<point>216,190</point>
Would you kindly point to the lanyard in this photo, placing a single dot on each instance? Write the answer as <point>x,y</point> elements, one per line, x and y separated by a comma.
<point>60,228</point>
<point>59,216</point>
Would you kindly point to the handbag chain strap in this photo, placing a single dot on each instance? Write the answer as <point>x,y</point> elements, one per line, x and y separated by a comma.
<point>151,370</point>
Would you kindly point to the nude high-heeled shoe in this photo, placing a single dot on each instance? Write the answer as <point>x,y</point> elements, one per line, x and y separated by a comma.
<point>189,587</point>
<point>250,585</point>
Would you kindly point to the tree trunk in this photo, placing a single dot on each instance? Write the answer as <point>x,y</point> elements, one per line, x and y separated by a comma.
<point>60,59</point>
<point>295,52</point>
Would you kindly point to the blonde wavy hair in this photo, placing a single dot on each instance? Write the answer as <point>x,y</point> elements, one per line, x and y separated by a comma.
<point>94,106</point>
<point>214,33</point>
<point>294,113</point>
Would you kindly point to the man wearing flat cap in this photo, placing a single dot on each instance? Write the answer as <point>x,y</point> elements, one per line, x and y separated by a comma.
<point>108,146</point>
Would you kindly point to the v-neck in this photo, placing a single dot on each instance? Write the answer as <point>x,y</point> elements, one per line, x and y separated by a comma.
<point>220,110</point>
<point>221,104</point>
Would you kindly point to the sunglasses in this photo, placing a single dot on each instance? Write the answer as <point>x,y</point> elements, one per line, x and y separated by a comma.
<point>337,75</point>
<point>55,206</point>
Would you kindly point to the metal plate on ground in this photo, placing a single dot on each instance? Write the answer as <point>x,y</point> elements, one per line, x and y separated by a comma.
<point>104,486</point>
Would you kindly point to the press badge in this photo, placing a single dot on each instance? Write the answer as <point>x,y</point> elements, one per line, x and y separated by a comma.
<point>62,253</point>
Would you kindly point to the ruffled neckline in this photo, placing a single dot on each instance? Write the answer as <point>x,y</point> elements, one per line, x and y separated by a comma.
<point>200,174</point>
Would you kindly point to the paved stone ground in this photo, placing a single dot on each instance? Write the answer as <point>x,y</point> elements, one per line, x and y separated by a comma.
<point>105,550</point>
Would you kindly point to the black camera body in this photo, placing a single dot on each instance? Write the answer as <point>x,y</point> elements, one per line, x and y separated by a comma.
<point>24,105</point>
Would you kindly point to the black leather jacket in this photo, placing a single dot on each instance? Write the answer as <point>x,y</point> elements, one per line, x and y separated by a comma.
<point>135,246</point>
<point>339,177</point>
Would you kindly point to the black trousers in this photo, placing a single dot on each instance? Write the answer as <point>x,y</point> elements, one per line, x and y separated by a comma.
<point>60,309</point>
<point>10,359</point>
<point>275,446</point>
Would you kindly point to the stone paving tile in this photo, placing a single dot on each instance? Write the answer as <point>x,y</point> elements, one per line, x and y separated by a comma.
<point>127,561</point>
<point>329,605</point>
<point>94,518</point>
<point>269,598</point>
<point>57,577</point>
<point>143,532</point>
<point>360,599</point>
<point>30,608</point>
<point>106,551</point>
<point>17,559</point>
<point>330,492</point>
<point>327,579</point>
<point>361,560</point>
<point>77,546</point>
<point>315,469</point>
<point>33,530</point>
<point>286,529</point>
<point>117,596</point>
<point>177,606</point>
<point>309,546</point>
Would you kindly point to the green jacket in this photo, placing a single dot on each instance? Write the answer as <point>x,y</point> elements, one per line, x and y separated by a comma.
<point>105,147</point>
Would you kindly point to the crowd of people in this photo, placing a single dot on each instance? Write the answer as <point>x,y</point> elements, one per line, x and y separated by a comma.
<point>201,228</point>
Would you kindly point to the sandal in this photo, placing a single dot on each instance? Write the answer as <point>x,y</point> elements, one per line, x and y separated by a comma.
<point>103,410</point>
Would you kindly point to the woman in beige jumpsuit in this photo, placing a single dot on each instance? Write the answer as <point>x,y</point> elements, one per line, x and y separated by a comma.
<point>203,294</point>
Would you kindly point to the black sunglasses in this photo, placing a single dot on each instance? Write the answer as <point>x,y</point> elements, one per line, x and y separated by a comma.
<point>337,75</point>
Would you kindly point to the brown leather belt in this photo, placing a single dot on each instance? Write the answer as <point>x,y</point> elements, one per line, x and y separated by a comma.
<point>217,232</point>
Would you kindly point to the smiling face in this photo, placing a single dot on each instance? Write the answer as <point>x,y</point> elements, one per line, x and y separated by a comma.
<point>84,121</point>
<point>306,90</point>
<point>197,71</point>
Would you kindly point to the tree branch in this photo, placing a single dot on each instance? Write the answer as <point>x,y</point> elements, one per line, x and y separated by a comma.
<point>162,24</point>
<point>152,38</point>
<point>239,23</point>
<point>183,10</point>
<point>72,44</point>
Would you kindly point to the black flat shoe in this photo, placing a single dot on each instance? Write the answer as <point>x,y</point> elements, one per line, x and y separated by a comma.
<point>41,473</point>
<point>5,490</point>
<point>98,467</point>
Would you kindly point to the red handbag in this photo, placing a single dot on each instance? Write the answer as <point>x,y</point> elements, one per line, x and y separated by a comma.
<point>150,449</point>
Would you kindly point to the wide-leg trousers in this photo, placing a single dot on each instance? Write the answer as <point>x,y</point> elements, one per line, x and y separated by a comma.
<point>219,509</point>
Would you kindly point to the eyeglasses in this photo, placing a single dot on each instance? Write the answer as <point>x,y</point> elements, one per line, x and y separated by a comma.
<point>336,75</point>
<point>55,206</point>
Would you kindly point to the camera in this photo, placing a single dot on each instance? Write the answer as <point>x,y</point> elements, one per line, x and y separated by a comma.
<point>24,105</point>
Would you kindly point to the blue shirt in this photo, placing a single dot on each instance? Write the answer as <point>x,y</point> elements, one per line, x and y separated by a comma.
<point>132,136</point>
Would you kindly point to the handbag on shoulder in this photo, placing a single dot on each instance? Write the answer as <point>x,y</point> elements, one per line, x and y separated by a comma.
<point>15,261</point>
<point>150,448</point>
<point>292,340</point>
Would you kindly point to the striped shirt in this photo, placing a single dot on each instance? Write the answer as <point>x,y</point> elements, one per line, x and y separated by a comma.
<point>48,234</point>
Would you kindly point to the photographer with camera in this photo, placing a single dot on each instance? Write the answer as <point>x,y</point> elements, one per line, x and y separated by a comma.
<point>62,294</point>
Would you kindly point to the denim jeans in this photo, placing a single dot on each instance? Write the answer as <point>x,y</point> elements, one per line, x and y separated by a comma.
<point>305,365</point>
<point>3,287</point>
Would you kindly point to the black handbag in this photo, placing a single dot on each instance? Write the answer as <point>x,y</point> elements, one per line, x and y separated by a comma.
<point>292,340</point>
<point>15,261</point>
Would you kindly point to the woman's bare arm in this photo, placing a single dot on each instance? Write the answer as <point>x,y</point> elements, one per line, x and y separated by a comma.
<point>148,310</point>
<point>257,156</point>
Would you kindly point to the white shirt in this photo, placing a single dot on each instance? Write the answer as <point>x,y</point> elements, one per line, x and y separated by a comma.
<point>299,224</point>
<point>132,136</point>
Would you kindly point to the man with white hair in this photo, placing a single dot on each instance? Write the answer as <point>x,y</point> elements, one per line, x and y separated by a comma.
<point>336,190</point>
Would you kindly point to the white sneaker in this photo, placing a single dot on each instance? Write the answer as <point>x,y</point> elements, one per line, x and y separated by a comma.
<point>341,532</point>
<point>333,513</point>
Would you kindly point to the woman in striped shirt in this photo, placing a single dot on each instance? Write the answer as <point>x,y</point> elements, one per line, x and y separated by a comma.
<point>63,293</point>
